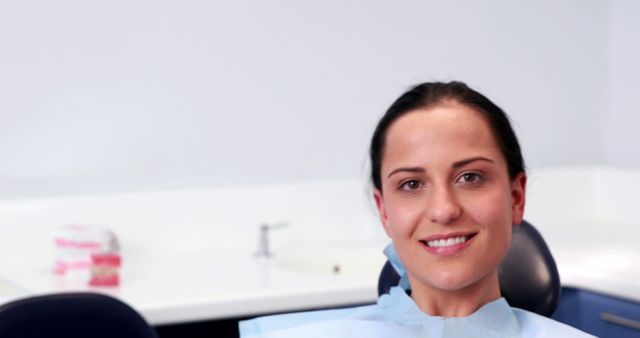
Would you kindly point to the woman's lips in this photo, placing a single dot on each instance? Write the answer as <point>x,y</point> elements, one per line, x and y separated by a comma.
<point>447,245</point>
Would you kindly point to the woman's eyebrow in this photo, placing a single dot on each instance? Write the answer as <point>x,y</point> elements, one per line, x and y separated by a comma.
<point>470,160</point>
<point>457,164</point>
<point>407,169</point>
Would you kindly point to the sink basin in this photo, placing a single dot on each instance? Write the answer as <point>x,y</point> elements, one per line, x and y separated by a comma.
<point>350,262</point>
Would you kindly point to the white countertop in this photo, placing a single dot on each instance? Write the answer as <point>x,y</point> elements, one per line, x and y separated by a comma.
<point>601,257</point>
<point>208,285</point>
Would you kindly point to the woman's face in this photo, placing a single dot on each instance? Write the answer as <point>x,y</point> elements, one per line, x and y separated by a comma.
<point>447,201</point>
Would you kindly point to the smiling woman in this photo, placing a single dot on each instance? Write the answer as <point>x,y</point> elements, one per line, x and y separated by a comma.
<point>448,203</point>
<point>449,185</point>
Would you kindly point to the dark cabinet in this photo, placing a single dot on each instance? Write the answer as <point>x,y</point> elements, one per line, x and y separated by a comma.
<point>598,314</point>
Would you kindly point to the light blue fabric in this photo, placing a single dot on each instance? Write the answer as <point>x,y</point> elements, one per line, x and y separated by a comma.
<point>392,256</point>
<point>397,315</point>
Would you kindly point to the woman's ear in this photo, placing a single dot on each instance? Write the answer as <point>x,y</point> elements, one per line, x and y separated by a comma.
<point>518,197</point>
<point>382,211</point>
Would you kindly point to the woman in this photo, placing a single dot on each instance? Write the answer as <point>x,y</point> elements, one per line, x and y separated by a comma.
<point>449,183</point>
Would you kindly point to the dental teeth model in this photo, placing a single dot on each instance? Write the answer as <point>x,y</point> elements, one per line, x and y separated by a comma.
<point>87,255</point>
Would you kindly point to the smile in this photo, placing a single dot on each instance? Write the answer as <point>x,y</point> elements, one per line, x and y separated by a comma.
<point>439,243</point>
<point>447,245</point>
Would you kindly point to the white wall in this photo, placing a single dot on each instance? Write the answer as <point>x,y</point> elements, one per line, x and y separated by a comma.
<point>623,118</point>
<point>266,91</point>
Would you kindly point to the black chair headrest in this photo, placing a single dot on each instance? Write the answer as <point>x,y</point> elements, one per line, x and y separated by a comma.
<point>71,315</point>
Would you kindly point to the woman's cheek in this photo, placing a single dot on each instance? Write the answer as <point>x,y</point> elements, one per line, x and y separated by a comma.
<point>486,206</point>
<point>404,218</point>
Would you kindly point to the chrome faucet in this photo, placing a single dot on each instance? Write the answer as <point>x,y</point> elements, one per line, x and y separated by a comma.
<point>263,239</point>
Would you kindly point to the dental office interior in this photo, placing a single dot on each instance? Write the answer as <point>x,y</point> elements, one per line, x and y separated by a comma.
<point>206,162</point>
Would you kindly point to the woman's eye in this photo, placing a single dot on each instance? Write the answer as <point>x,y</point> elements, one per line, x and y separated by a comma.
<point>470,178</point>
<point>411,185</point>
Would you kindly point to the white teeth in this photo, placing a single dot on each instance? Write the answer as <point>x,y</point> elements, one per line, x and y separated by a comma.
<point>438,243</point>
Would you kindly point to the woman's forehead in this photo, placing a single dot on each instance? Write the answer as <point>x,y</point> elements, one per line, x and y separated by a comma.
<point>442,133</point>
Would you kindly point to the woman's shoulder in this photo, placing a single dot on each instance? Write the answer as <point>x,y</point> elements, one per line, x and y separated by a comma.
<point>535,325</point>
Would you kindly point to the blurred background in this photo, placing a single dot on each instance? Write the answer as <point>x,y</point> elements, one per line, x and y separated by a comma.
<point>114,95</point>
<point>112,111</point>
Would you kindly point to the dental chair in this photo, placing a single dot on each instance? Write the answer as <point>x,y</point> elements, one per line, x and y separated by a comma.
<point>72,315</point>
<point>528,275</point>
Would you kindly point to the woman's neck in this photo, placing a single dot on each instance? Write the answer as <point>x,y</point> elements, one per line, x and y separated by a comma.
<point>455,303</point>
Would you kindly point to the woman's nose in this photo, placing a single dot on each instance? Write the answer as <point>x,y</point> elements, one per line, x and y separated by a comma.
<point>443,207</point>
